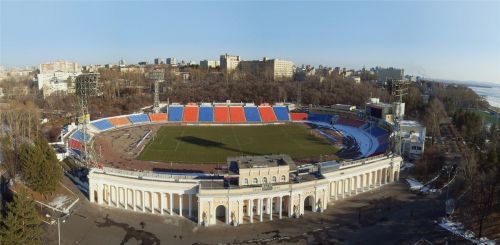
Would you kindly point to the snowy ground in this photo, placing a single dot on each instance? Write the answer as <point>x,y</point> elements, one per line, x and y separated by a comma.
<point>458,229</point>
<point>60,202</point>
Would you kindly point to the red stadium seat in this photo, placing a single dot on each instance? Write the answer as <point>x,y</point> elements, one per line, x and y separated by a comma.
<point>75,144</point>
<point>119,121</point>
<point>237,114</point>
<point>298,116</point>
<point>190,114</point>
<point>158,117</point>
<point>267,114</point>
<point>221,114</point>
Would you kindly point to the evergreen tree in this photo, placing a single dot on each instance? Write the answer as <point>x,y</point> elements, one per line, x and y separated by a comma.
<point>22,224</point>
<point>39,166</point>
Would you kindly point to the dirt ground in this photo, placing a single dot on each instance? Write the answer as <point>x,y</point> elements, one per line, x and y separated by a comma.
<point>389,215</point>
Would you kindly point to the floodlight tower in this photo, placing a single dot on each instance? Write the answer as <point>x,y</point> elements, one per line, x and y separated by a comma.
<point>157,76</point>
<point>86,86</point>
<point>399,89</point>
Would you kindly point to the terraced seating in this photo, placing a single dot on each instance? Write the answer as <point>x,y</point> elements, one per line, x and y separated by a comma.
<point>267,114</point>
<point>376,131</point>
<point>319,117</point>
<point>298,116</point>
<point>281,113</point>
<point>237,114</point>
<point>80,136</point>
<point>381,149</point>
<point>190,114</point>
<point>158,117</point>
<point>175,113</point>
<point>102,124</point>
<point>206,114</point>
<point>138,118</point>
<point>75,144</point>
<point>221,114</point>
<point>350,122</point>
<point>119,121</point>
<point>252,114</point>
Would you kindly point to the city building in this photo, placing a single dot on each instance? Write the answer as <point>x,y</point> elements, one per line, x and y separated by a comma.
<point>171,61</point>
<point>207,64</point>
<point>412,136</point>
<point>248,169</point>
<point>386,74</point>
<point>54,76</point>
<point>380,110</point>
<point>229,63</point>
<point>159,61</point>
<point>272,68</point>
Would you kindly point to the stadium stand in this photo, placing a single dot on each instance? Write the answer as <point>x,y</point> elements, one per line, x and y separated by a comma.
<point>281,113</point>
<point>350,122</point>
<point>237,114</point>
<point>80,136</point>
<point>138,118</point>
<point>175,113</point>
<point>158,117</point>
<point>119,121</point>
<point>319,117</point>
<point>206,114</point>
<point>252,114</point>
<point>376,131</point>
<point>102,125</point>
<point>190,113</point>
<point>267,114</point>
<point>75,144</point>
<point>298,116</point>
<point>221,114</point>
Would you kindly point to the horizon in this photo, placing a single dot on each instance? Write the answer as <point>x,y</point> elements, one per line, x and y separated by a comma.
<point>457,41</point>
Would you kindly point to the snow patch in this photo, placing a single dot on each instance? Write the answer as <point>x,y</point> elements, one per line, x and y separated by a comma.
<point>59,201</point>
<point>458,229</point>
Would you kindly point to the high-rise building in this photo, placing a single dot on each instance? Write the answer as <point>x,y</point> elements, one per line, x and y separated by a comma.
<point>171,61</point>
<point>228,62</point>
<point>54,75</point>
<point>159,61</point>
<point>275,69</point>
<point>207,64</point>
<point>386,74</point>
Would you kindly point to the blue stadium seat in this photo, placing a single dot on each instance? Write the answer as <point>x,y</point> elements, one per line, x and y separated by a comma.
<point>80,136</point>
<point>376,131</point>
<point>319,117</point>
<point>252,114</point>
<point>206,114</point>
<point>138,118</point>
<point>175,113</point>
<point>281,113</point>
<point>103,124</point>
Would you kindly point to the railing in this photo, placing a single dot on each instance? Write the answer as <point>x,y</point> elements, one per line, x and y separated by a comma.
<point>148,175</point>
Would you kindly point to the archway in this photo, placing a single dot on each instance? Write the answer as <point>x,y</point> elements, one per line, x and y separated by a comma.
<point>309,203</point>
<point>220,213</point>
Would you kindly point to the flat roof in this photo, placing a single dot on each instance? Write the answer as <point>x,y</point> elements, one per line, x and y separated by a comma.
<point>410,123</point>
<point>265,161</point>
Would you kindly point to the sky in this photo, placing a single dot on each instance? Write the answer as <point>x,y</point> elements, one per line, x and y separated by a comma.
<point>442,39</point>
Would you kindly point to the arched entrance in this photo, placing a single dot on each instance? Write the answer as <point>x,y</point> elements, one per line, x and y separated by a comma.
<point>220,213</point>
<point>309,203</point>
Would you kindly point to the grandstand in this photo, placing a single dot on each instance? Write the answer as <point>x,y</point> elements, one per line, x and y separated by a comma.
<point>138,118</point>
<point>281,113</point>
<point>237,114</point>
<point>350,122</point>
<point>319,117</point>
<point>102,125</point>
<point>119,121</point>
<point>206,114</point>
<point>298,116</point>
<point>175,113</point>
<point>267,114</point>
<point>221,114</point>
<point>252,114</point>
<point>158,117</point>
<point>190,114</point>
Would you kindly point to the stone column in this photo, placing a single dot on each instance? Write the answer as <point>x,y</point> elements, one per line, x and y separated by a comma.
<point>280,207</point>
<point>200,212</point>
<point>151,200</point>
<point>180,204</point>
<point>133,200</point>
<point>250,213</point>
<point>290,206</point>
<point>260,210</point>
<point>379,179</point>
<point>190,211</point>
<point>162,197</point>
<point>126,198</point>
<point>143,199</point>
<point>228,212</point>
<point>100,194</point>
<point>171,203</point>
<point>271,208</point>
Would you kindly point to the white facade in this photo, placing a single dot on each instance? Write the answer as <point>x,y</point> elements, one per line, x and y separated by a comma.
<point>206,64</point>
<point>229,63</point>
<point>163,194</point>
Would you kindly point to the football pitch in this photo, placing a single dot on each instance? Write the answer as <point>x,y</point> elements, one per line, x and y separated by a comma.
<point>213,144</point>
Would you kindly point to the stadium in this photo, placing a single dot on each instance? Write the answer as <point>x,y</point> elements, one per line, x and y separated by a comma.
<point>234,163</point>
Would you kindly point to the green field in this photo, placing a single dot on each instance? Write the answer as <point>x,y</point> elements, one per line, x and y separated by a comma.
<point>200,144</point>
